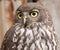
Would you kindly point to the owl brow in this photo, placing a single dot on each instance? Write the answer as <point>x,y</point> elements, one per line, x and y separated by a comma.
<point>36,9</point>
<point>33,11</point>
<point>18,11</point>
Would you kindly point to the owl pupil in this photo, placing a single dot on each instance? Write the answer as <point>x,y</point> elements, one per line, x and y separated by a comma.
<point>33,14</point>
<point>20,15</point>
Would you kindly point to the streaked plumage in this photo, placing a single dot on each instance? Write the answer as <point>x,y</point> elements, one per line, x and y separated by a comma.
<point>37,34</point>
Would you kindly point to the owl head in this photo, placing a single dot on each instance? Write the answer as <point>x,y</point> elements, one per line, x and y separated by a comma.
<point>29,13</point>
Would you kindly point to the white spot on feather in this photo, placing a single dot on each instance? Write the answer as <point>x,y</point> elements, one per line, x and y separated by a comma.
<point>44,47</point>
<point>14,46</point>
<point>49,44</point>
<point>17,28</point>
<point>54,42</point>
<point>14,35</point>
<point>35,30</point>
<point>15,39</point>
<point>54,48</point>
<point>19,47</point>
<point>21,41</point>
<point>22,37</point>
<point>32,47</point>
<point>22,31</point>
<point>25,48</point>
<point>41,30</point>
<point>48,32</point>
<point>38,43</point>
<point>27,41</point>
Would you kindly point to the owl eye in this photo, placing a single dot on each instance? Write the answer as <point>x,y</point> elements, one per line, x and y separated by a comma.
<point>19,15</point>
<point>34,14</point>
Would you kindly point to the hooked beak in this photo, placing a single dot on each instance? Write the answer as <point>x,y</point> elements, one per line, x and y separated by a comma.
<point>25,21</point>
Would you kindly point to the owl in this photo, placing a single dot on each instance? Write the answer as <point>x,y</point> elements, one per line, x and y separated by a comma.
<point>33,30</point>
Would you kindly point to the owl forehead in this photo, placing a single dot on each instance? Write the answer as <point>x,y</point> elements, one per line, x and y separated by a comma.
<point>29,7</point>
<point>26,11</point>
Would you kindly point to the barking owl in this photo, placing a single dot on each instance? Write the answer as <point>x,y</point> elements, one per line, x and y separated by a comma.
<point>33,30</point>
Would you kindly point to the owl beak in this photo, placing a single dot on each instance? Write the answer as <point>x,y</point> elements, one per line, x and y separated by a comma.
<point>25,21</point>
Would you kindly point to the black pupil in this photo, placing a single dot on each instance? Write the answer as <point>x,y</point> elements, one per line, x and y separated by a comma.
<point>20,15</point>
<point>33,14</point>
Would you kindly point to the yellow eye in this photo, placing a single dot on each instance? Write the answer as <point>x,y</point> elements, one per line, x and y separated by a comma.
<point>19,15</point>
<point>34,14</point>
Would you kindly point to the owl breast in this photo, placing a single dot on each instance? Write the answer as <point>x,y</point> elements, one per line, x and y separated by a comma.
<point>37,38</point>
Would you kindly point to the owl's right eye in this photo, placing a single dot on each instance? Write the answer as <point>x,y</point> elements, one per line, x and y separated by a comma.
<point>20,15</point>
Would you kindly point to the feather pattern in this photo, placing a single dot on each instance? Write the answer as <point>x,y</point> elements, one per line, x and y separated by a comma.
<point>39,37</point>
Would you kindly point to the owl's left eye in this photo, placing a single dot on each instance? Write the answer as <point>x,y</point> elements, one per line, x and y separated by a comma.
<point>34,14</point>
<point>20,15</point>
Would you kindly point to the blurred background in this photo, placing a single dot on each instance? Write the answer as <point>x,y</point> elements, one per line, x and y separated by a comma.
<point>8,8</point>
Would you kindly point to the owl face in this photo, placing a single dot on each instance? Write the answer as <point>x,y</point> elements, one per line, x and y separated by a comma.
<point>29,13</point>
